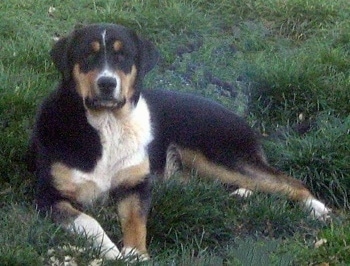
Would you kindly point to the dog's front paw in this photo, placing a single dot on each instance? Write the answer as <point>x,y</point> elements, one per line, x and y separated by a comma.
<point>133,255</point>
<point>113,254</point>
<point>318,209</point>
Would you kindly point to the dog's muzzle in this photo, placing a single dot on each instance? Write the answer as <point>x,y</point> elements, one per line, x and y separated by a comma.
<point>108,96</point>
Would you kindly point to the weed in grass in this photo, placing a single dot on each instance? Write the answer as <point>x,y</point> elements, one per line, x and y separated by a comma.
<point>337,248</point>
<point>331,246</point>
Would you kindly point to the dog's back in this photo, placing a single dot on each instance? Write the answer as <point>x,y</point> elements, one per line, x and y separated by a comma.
<point>202,125</point>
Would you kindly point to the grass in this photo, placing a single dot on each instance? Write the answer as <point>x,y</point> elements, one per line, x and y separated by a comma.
<point>282,64</point>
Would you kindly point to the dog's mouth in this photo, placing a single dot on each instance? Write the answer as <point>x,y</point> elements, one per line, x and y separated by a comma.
<point>104,104</point>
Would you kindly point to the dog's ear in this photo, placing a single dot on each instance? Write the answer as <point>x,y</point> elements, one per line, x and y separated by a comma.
<point>149,56</point>
<point>59,56</point>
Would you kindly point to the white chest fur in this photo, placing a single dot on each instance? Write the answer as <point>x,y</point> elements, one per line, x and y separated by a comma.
<point>124,144</point>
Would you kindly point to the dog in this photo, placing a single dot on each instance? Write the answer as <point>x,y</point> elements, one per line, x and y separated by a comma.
<point>99,134</point>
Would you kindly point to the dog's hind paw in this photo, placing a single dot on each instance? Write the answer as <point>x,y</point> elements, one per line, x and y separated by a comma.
<point>242,192</point>
<point>318,209</point>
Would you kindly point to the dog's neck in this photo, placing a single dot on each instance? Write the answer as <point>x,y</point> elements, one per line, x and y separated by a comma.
<point>131,119</point>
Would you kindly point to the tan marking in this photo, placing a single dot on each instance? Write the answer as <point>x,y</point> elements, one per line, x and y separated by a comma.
<point>127,90</point>
<point>85,82</point>
<point>128,82</point>
<point>133,224</point>
<point>131,176</point>
<point>84,192</point>
<point>268,180</point>
<point>96,46</point>
<point>117,46</point>
<point>62,179</point>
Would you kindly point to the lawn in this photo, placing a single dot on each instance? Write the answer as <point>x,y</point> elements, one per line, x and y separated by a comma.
<point>284,65</point>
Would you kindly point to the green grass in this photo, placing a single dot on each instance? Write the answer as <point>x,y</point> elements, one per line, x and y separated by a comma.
<point>282,64</point>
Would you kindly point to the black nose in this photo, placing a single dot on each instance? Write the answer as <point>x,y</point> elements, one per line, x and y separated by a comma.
<point>106,85</point>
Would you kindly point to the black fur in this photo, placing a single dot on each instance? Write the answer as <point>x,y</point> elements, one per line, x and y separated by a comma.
<point>199,124</point>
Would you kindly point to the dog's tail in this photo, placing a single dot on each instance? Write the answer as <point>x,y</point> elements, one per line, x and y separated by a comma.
<point>256,176</point>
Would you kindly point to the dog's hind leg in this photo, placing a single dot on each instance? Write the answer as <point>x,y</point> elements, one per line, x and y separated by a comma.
<point>272,180</point>
<point>256,176</point>
<point>78,222</point>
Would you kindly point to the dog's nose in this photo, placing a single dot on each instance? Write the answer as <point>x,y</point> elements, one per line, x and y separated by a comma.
<point>107,85</point>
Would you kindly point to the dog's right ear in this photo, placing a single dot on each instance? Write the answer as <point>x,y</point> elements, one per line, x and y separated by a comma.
<point>59,56</point>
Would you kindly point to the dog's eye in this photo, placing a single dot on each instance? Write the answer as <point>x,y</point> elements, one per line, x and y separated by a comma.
<point>120,56</point>
<point>90,57</point>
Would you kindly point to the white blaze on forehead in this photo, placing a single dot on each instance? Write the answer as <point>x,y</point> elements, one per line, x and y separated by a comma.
<point>107,72</point>
<point>104,38</point>
<point>104,33</point>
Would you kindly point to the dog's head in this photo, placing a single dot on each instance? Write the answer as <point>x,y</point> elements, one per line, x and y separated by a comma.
<point>107,62</point>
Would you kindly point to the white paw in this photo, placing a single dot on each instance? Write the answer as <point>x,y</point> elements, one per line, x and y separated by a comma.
<point>112,254</point>
<point>133,255</point>
<point>242,192</point>
<point>318,209</point>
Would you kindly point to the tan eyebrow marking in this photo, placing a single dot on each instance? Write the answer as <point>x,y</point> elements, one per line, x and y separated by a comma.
<point>117,46</point>
<point>96,46</point>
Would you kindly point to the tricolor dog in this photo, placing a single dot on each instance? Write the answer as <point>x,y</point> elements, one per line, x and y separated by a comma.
<point>99,134</point>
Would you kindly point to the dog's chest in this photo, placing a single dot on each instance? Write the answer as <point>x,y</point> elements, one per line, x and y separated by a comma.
<point>124,144</point>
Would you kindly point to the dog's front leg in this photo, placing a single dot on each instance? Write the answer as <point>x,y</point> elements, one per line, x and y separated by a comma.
<point>133,211</point>
<point>78,222</point>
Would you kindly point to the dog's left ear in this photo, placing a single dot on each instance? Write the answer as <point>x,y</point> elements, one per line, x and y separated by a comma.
<point>59,56</point>
<point>149,56</point>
